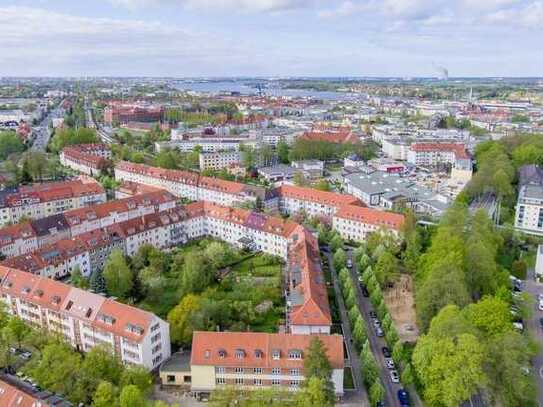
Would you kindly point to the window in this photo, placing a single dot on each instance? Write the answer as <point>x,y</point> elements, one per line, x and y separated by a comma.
<point>258,370</point>
<point>276,370</point>
<point>294,372</point>
<point>170,379</point>
<point>257,382</point>
<point>276,382</point>
<point>276,354</point>
<point>220,380</point>
<point>238,369</point>
<point>240,353</point>
<point>239,380</point>
<point>294,354</point>
<point>294,383</point>
<point>221,370</point>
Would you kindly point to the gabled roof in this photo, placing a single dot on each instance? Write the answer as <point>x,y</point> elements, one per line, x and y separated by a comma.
<point>314,195</point>
<point>258,348</point>
<point>371,216</point>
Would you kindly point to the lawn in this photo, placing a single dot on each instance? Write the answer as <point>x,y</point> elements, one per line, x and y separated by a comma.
<point>348,381</point>
<point>259,265</point>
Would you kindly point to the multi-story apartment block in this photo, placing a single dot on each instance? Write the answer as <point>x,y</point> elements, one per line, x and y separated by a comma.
<point>356,222</point>
<point>252,360</point>
<point>23,238</point>
<point>85,319</point>
<point>219,160</point>
<point>122,113</point>
<point>292,199</point>
<point>434,154</point>
<point>89,159</point>
<point>529,209</point>
<point>190,185</point>
<point>41,200</point>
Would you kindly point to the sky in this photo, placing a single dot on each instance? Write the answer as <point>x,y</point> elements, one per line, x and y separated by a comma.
<point>271,38</point>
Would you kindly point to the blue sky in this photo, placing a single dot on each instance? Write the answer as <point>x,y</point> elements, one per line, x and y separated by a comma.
<point>271,37</point>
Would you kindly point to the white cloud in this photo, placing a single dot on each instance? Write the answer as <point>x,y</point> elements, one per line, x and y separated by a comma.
<point>233,5</point>
<point>528,16</point>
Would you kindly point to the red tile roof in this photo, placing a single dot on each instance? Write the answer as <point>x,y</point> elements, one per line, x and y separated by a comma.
<point>371,216</point>
<point>458,149</point>
<point>11,396</point>
<point>207,348</point>
<point>314,195</point>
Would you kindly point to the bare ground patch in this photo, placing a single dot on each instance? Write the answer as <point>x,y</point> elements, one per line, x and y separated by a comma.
<point>401,305</point>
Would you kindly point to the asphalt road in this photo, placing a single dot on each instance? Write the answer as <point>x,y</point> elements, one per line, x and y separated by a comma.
<point>376,343</point>
<point>534,288</point>
<point>43,132</point>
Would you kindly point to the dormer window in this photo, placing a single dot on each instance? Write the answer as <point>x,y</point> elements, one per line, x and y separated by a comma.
<point>222,353</point>
<point>25,290</point>
<point>294,354</point>
<point>207,354</point>
<point>258,354</point>
<point>38,293</point>
<point>240,353</point>
<point>55,300</point>
<point>276,354</point>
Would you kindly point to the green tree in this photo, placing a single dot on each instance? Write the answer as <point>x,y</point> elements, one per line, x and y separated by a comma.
<point>131,396</point>
<point>282,152</point>
<point>17,330</point>
<point>323,185</point>
<point>179,319</point>
<point>77,278</point>
<point>100,364</point>
<point>317,365</point>
<point>336,243</point>
<point>386,269</point>
<point>216,254</point>
<point>197,274</point>
<point>105,395</point>
<point>491,316</point>
<point>377,392</point>
<point>118,277</point>
<point>137,376</point>
<point>10,143</point>
<point>314,394</point>
<point>340,259</point>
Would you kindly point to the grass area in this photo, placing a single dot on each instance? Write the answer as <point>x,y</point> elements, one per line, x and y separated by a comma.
<point>348,381</point>
<point>260,265</point>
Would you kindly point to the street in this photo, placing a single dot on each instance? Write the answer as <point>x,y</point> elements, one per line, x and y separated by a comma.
<point>359,396</point>
<point>43,132</point>
<point>534,288</point>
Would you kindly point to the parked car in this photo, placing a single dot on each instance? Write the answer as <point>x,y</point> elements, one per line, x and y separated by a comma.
<point>349,263</point>
<point>376,323</point>
<point>373,314</point>
<point>379,332</point>
<point>389,363</point>
<point>394,376</point>
<point>540,305</point>
<point>541,322</point>
<point>540,296</point>
<point>403,397</point>
<point>365,291</point>
<point>386,352</point>
<point>26,355</point>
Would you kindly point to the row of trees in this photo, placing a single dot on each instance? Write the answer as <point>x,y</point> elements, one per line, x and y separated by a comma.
<point>10,143</point>
<point>69,136</point>
<point>303,149</point>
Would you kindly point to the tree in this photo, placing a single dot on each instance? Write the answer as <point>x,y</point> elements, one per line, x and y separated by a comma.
<point>299,179</point>
<point>360,334</point>
<point>216,254</point>
<point>317,365</point>
<point>336,243</point>
<point>283,150</point>
<point>137,376</point>
<point>77,278</point>
<point>314,394</point>
<point>97,282</point>
<point>105,395</point>
<point>451,370</point>
<point>340,259</point>
<point>17,330</point>
<point>248,156</point>
<point>131,396</point>
<point>179,319</point>
<point>377,392</point>
<point>491,316</point>
<point>386,269</point>
<point>323,185</point>
<point>55,369</point>
<point>99,364</point>
<point>444,285</point>
<point>197,274</point>
<point>118,277</point>
<point>10,143</point>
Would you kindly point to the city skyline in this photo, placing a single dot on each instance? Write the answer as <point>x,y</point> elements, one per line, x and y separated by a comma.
<point>232,38</point>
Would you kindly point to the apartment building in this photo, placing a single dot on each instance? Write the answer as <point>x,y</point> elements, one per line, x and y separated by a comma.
<point>529,209</point>
<point>88,159</point>
<point>38,201</point>
<point>291,199</point>
<point>123,113</point>
<point>254,360</point>
<point>86,319</point>
<point>434,154</point>
<point>190,185</point>
<point>23,238</point>
<point>356,222</point>
<point>219,160</point>
<point>14,392</point>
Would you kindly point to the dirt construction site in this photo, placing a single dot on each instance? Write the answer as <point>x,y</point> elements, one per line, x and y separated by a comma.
<point>400,302</point>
